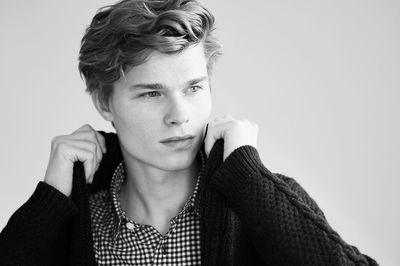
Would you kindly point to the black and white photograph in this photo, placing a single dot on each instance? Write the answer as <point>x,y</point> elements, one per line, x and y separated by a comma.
<point>199,132</point>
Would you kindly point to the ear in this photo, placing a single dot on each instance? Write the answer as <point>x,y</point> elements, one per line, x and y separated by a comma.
<point>103,109</point>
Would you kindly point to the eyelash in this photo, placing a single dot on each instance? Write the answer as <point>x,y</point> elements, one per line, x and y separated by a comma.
<point>197,88</point>
<point>147,94</point>
<point>150,94</point>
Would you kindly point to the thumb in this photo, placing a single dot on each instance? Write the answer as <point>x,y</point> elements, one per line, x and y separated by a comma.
<point>211,136</point>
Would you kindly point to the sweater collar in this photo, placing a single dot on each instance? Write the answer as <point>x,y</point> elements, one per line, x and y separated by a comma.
<point>213,210</point>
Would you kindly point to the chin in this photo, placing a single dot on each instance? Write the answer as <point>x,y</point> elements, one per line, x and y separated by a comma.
<point>176,162</point>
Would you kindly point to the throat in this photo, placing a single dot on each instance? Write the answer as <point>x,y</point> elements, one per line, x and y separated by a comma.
<point>156,204</point>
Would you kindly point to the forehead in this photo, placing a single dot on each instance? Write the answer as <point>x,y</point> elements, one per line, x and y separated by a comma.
<point>172,69</point>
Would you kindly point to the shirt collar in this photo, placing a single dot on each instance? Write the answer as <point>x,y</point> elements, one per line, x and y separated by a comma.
<point>118,178</point>
<point>195,199</point>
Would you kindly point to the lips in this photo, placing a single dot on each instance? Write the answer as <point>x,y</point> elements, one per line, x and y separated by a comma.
<point>179,142</point>
<point>177,138</point>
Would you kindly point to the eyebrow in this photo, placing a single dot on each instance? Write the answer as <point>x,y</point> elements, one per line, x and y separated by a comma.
<point>159,86</point>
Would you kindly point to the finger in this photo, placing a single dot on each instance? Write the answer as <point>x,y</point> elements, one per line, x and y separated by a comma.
<point>102,141</point>
<point>91,136</point>
<point>255,125</point>
<point>84,156</point>
<point>222,119</point>
<point>87,133</point>
<point>215,132</point>
<point>93,133</point>
<point>91,130</point>
<point>99,156</point>
<point>86,152</point>
<point>82,128</point>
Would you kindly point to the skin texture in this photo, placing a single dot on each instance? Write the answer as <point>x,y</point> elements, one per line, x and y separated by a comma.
<point>144,117</point>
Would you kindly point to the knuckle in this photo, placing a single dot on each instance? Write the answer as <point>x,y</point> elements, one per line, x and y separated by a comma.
<point>82,128</point>
<point>85,128</point>
<point>62,145</point>
<point>61,148</point>
<point>92,146</point>
<point>93,134</point>
<point>54,140</point>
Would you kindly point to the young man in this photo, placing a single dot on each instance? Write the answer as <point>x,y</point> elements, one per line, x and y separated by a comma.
<point>170,187</point>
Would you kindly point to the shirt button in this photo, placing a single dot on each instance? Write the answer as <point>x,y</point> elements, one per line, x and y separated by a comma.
<point>130,225</point>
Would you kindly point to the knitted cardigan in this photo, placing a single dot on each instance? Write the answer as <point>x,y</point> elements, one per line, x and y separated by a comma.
<point>249,216</point>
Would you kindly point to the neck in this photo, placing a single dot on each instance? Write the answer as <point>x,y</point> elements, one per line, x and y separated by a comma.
<point>153,196</point>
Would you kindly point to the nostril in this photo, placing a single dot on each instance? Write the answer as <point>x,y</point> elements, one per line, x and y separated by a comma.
<point>178,121</point>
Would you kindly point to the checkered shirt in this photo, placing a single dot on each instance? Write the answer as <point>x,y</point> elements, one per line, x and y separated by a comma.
<point>118,240</point>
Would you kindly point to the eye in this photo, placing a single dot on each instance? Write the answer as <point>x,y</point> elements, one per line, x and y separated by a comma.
<point>150,94</point>
<point>193,89</point>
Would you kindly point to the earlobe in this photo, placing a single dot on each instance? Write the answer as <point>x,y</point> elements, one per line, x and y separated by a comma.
<point>103,110</point>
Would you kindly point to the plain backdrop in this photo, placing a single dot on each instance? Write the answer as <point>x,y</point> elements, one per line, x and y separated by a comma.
<point>321,78</point>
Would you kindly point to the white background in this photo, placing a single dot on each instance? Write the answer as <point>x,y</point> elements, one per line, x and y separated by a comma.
<point>321,78</point>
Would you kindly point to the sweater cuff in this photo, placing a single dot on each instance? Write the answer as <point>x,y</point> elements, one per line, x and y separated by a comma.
<point>48,204</point>
<point>238,168</point>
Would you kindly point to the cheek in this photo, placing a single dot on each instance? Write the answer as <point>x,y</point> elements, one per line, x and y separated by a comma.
<point>137,133</point>
<point>140,122</point>
<point>204,107</point>
<point>132,119</point>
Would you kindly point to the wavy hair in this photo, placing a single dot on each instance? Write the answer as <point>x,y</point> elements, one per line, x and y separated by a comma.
<point>125,34</point>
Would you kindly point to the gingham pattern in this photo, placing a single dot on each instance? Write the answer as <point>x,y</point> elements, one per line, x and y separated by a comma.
<point>119,240</point>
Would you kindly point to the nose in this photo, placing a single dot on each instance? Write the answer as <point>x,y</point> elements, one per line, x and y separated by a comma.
<point>177,112</point>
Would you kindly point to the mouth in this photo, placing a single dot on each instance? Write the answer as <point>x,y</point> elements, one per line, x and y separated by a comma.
<point>179,142</point>
<point>177,138</point>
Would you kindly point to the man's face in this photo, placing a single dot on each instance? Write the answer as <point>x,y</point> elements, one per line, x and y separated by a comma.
<point>168,96</point>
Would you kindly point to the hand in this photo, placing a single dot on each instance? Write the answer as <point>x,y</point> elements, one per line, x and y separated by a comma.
<point>235,133</point>
<point>85,145</point>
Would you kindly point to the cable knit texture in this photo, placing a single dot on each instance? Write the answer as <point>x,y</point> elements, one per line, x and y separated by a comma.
<point>249,216</point>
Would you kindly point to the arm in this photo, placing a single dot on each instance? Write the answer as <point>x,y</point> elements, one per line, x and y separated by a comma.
<point>284,223</point>
<point>41,228</point>
<point>31,233</point>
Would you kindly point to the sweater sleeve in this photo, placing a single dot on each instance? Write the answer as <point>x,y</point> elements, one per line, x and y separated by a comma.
<point>284,224</point>
<point>31,232</point>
